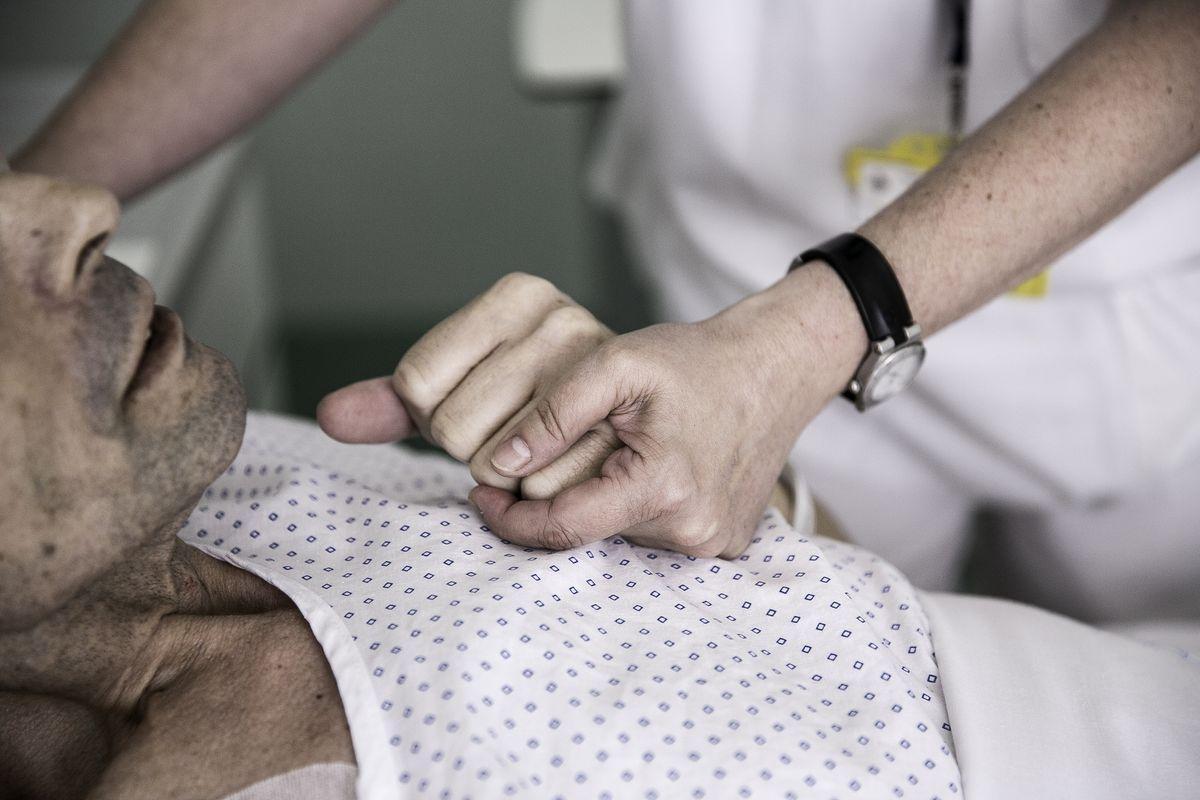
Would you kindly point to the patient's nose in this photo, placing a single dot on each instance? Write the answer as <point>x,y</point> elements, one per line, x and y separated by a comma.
<point>53,231</point>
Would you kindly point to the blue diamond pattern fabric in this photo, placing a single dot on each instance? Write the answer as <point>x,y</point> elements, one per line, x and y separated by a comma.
<point>474,668</point>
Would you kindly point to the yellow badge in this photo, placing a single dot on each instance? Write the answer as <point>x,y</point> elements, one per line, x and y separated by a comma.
<point>877,176</point>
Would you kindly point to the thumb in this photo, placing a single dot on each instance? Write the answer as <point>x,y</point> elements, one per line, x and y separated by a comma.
<point>582,461</point>
<point>367,412</point>
<point>623,496</point>
<point>564,413</point>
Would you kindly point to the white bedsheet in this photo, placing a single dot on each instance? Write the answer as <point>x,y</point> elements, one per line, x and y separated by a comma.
<point>1044,707</point>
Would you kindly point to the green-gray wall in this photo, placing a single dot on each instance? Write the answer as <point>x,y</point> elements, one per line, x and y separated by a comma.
<point>402,179</point>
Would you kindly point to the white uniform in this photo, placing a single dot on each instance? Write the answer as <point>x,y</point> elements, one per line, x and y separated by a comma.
<point>1082,407</point>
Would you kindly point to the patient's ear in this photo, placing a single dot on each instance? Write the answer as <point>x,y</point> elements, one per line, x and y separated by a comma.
<point>367,412</point>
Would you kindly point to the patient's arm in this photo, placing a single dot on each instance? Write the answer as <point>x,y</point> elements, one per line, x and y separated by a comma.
<point>183,77</point>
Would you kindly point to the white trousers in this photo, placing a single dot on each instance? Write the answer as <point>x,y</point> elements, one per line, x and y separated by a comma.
<point>900,483</point>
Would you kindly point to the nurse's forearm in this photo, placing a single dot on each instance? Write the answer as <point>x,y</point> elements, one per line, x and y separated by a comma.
<point>184,76</point>
<point>1113,117</point>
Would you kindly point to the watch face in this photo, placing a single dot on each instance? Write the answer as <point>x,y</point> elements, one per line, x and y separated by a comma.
<point>894,373</point>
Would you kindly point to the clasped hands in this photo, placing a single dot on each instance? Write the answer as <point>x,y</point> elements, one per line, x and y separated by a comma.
<point>673,435</point>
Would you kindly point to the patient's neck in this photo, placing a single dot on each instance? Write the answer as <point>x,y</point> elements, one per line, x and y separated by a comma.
<point>117,639</point>
<point>73,688</point>
<point>97,647</point>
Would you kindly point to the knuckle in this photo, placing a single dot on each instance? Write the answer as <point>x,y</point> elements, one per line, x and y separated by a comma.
<point>617,360</point>
<point>568,322</point>
<point>593,450</point>
<point>539,486</point>
<point>510,281</point>
<point>449,433</point>
<point>522,284</point>
<point>582,462</point>
<point>547,484</point>
<point>675,492</point>
<point>548,416</point>
<point>411,383</point>
<point>695,537</point>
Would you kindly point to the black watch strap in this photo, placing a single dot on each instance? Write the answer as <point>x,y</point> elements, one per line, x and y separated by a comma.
<point>871,281</point>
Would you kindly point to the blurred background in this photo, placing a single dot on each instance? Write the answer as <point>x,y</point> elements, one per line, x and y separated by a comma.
<point>445,148</point>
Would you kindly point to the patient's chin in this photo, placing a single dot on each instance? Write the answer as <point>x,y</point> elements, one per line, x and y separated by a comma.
<point>226,407</point>
<point>194,434</point>
<point>215,419</point>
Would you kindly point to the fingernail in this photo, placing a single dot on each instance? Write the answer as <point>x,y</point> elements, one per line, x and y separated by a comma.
<point>511,455</point>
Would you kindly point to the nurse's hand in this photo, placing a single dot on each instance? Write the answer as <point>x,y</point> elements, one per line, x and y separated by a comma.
<point>474,375</point>
<point>705,414</point>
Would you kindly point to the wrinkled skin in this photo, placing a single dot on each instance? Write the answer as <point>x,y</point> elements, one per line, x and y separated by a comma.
<point>88,469</point>
<point>122,649</point>
<point>672,436</point>
<point>474,375</point>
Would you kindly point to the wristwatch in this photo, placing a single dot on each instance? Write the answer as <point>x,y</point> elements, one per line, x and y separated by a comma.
<point>896,351</point>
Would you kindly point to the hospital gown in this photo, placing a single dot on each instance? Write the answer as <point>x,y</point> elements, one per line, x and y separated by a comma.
<point>473,668</point>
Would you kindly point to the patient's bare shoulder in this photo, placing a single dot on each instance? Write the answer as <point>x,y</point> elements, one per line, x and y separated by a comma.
<point>253,697</point>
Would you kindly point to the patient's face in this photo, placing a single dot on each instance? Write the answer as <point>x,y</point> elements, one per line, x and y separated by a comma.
<point>107,437</point>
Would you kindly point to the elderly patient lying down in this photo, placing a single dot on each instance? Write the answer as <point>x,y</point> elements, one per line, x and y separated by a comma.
<point>318,620</point>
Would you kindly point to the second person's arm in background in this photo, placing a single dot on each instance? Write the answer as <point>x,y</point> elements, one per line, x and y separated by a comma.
<point>183,77</point>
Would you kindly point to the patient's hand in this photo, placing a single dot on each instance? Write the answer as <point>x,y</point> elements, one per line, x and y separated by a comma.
<point>473,376</point>
<point>467,382</point>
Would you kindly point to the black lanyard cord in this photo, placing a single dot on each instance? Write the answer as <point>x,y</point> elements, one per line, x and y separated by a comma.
<point>959,60</point>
